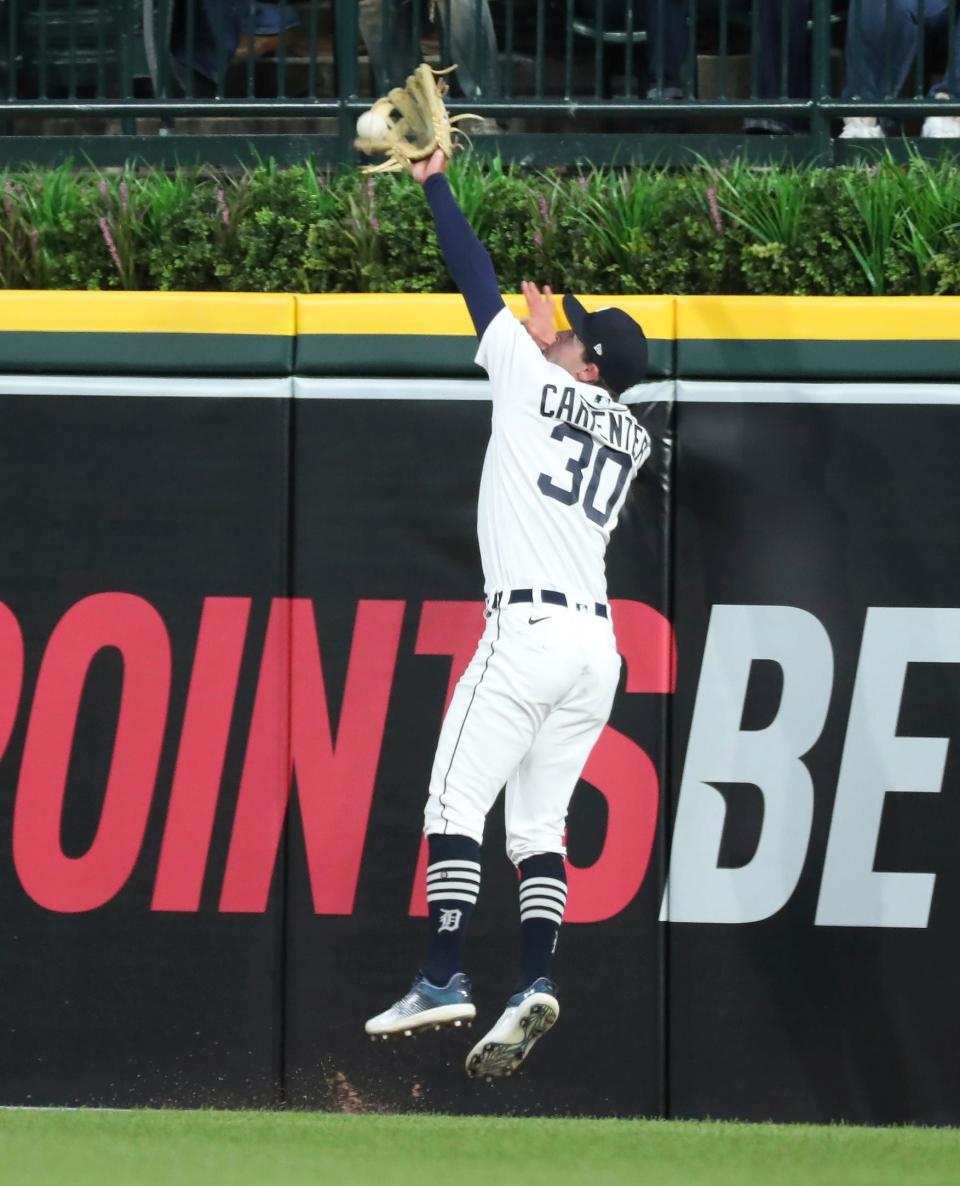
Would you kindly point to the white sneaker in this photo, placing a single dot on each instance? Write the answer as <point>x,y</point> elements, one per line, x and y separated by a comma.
<point>941,127</point>
<point>528,1016</point>
<point>861,127</point>
<point>426,1005</point>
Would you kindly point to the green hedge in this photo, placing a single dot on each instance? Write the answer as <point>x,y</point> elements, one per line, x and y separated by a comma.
<point>884,229</point>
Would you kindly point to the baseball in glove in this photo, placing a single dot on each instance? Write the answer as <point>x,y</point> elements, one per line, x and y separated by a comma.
<point>410,123</point>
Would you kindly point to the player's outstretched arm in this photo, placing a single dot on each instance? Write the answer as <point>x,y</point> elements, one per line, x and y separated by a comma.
<point>467,260</point>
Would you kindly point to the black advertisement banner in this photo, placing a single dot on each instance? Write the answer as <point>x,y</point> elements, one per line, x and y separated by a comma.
<point>813,892</point>
<point>143,542</point>
<point>229,628</point>
<point>385,551</point>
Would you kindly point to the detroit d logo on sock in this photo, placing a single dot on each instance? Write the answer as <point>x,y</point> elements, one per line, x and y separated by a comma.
<point>449,920</point>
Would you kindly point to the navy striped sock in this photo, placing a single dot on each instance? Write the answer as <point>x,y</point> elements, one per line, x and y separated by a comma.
<point>543,896</point>
<point>453,884</point>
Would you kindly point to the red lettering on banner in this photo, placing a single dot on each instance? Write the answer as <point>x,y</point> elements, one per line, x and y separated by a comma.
<point>54,880</point>
<point>624,774</point>
<point>334,779</point>
<point>619,768</point>
<point>450,628</point>
<point>646,642</point>
<point>11,673</point>
<point>446,628</point>
<point>626,777</point>
<point>200,758</point>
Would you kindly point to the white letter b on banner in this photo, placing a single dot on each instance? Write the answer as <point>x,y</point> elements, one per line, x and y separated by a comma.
<point>719,751</point>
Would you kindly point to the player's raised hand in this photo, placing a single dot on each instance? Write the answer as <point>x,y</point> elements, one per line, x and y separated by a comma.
<point>539,325</point>
<point>437,163</point>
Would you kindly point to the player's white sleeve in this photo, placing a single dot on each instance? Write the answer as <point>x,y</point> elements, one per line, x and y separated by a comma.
<point>511,358</point>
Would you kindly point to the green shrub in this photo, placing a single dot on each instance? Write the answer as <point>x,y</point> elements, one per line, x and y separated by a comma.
<point>886,229</point>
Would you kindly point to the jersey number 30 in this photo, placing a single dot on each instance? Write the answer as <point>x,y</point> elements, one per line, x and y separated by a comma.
<point>577,468</point>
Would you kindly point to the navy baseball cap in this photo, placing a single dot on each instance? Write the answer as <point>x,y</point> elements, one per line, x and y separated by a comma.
<point>614,341</point>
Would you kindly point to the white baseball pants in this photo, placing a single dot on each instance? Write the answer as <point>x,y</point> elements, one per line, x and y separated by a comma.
<point>525,714</point>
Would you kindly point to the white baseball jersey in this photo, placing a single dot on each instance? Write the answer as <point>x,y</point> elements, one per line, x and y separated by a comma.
<point>561,458</point>
<point>531,704</point>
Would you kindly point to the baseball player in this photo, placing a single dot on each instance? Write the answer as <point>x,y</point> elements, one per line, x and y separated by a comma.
<point>537,693</point>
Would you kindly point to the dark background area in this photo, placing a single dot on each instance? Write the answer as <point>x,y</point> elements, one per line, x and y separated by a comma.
<point>177,500</point>
<point>407,529</point>
<point>831,509</point>
<point>171,500</point>
<point>828,508</point>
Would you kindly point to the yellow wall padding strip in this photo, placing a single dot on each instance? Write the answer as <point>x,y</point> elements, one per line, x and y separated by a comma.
<point>851,319</point>
<point>149,312</point>
<point>744,318</point>
<point>446,313</point>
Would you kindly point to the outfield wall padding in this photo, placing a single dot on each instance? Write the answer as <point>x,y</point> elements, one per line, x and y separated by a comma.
<point>235,598</point>
<point>147,333</point>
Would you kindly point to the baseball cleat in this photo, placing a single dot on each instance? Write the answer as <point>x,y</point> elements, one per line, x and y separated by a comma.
<point>426,1005</point>
<point>528,1016</point>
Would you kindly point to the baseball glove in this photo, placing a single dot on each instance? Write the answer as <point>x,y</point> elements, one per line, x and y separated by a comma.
<point>410,123</point>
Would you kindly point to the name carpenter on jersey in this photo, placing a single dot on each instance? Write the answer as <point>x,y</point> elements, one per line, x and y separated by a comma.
<point>613,425</point>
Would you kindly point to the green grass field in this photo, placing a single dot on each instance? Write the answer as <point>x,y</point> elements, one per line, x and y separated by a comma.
<point>166,1148</point>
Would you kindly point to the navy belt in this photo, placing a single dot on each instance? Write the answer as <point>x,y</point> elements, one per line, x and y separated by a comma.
<point>547,597</point>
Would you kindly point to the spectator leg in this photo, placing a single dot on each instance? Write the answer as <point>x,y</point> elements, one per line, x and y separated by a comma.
<point>772,16</point>
<point>391,65</point>
<point>938,21</point>
<point>216,34</point>
<point>667,46</point>
<point>473,44</point>
<point>879,54</point>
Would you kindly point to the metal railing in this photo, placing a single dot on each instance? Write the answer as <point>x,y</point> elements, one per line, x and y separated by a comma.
<point>557,80</point>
